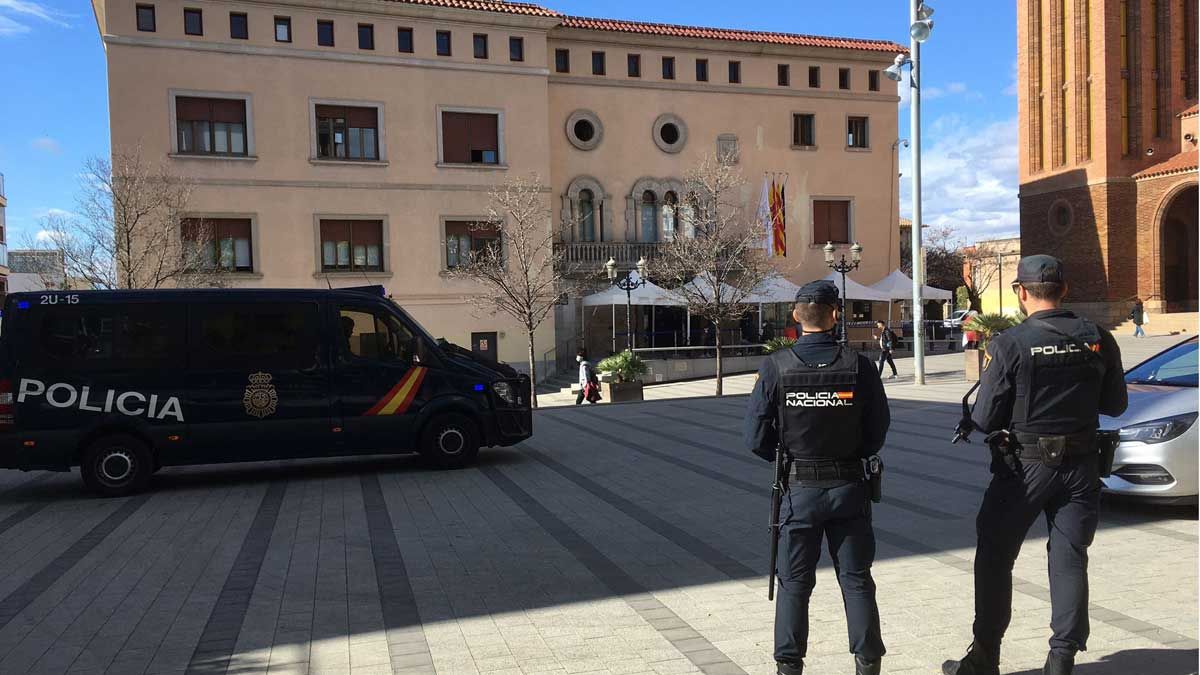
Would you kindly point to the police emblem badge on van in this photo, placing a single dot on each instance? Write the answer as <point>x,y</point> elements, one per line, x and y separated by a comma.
<point>260,398</point>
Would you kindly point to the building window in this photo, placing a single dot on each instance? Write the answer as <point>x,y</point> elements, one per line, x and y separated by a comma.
<point>831,221</point>
<point>516,49</point>
<point>843,78</point>
<point>351,245</point>
<point>584,130</point>
<point>325,33</point>
<point>783,75</point>
<point>702,70</point>
<point>857,132</point>
<point>443,43</point>
<point>804,132</point>
<point>210,126</point>
<point>366,36</point>
<point>465,240</point>
<point>587,216</point>
<point>633,65</point>
<point>649,216</point>
<point>283,29</point>
<point>670,133</point>
<point>860,310</point>
<point>735,72</point>
<point>814,77</point>
<point>479,42</point>
<point>668,67</point>
<point>345,132</point>
<point>145,18</point>
<point>218,243</point>
<point>598,63</point>
<point>470,138</point>
<point>239,26</point>
<point>562,61</point>
<point>873,80</point>
<point>404,40</point>
<point>193,22</point>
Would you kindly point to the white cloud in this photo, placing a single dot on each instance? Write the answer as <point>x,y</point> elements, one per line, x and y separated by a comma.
<point>1011,89</point>
<point>15,15</point>
<point>43,213</point>
<point>956,87</point>
<point>10,27</point>
<point>47,236</point>
<point>969,176</point>
<point>45,143</point>
<point>932,92</point>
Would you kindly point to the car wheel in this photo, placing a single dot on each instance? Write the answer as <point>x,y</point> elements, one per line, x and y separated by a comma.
<point>450,441</point>
<point>117,465</point>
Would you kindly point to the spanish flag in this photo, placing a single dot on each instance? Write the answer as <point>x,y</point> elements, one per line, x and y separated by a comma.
<point>845,395</point>
<point>401,396</point>
<point>778,221</point>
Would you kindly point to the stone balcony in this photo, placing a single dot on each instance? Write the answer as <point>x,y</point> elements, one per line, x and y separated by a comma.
<point>591,255</point>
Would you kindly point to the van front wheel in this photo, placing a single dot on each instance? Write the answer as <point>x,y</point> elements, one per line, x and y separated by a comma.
<point>117,465</point>
<point>450,441</point>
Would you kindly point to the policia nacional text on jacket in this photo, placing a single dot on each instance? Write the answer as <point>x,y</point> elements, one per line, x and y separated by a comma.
<point>827,498</point>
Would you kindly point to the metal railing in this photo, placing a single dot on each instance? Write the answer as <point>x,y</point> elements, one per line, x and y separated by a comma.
<point>698,351</point>
<point>598,252</point>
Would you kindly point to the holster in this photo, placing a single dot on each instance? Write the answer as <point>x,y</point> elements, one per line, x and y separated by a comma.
<point>1107,442</point>
<point>1004,457</point>
<point>873,467</point>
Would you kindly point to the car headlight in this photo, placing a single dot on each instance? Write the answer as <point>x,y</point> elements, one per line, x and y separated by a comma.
<point>505,391</point>
<point>1158,431</point>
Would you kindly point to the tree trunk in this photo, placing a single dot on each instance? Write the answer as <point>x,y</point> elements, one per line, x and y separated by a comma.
<point>532,371</point>
<point>717,332</point>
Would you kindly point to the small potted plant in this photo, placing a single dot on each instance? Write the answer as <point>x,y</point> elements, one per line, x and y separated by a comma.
<point>985,327</point>
<point>622,377</point>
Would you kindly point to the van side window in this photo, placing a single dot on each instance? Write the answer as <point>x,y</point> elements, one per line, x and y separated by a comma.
<point>375,336</point>
<point>125,336</point>
<point>253,335</point>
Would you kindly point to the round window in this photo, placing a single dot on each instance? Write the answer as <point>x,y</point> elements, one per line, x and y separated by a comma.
<point>1061,217</point>
<point>584,130</point>
<point>669,133</point>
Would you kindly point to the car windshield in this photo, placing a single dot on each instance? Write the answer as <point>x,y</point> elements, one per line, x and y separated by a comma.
<point>1175,367</point>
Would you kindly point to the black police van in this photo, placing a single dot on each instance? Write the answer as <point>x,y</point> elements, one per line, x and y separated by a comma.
<point>122,383</point>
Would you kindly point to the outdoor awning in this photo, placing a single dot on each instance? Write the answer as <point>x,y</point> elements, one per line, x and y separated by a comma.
<point>649,294</point>
<point>776,289</point>
<point>898,286</point>
<point>705,288</point>
<point>855,290</point>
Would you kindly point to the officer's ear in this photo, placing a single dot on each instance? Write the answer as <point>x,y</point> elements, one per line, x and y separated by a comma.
<point>796,315</point>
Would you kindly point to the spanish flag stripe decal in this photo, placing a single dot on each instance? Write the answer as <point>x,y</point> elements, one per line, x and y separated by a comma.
<point>845,394</point>
<point>401,396</point>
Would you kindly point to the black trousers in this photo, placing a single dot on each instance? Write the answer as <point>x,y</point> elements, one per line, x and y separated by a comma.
<point>842,517</point>
<point>886,357</point>
<point>1069,497</point>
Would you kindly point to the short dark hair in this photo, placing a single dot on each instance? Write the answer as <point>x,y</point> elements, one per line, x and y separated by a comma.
<point>880,323</point>
<point>582,353</point>
<point>1045,290</point>
<point>814,314</point>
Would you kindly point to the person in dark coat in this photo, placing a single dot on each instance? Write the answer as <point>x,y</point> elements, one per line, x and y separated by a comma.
<point>887,344</point>
<point>1138,316</point>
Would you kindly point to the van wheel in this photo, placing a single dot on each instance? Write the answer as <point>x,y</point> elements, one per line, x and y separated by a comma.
<point>450,441</point>
<point>117,465</point>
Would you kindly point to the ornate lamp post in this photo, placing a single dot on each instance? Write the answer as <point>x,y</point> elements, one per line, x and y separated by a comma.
<point>843,267</point>
<point>627,283</point>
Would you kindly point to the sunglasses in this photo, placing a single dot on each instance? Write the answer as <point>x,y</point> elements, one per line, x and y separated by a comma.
<point>1015,286</point>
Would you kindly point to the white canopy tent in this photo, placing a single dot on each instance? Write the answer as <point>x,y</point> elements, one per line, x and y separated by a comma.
<point>650,294</point>
<point>898,286</point>
<point>855,290</point>
<point>776,289</point>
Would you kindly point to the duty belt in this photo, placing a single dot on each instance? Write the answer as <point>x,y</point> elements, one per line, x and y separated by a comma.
<point>1031,446</point>
<point>829,469</point>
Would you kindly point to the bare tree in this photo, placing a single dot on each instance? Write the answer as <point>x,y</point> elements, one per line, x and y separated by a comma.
<point>713,264</point>
<point>950,264</point>
<point>981,267</point>
<point>128,230</point>
<point>47,264</point>
<point>522,275</point>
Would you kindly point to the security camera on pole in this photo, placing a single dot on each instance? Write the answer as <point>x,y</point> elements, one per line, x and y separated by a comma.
<point>920,26</point>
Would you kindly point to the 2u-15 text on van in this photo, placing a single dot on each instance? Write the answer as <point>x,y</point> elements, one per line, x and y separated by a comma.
<point>121,383</point>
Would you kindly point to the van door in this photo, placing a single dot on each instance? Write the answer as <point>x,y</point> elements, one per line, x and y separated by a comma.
<point>259,381</point>
<point>378,379</point>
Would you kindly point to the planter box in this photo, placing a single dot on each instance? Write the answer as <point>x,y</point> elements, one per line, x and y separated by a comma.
<point>974,364</point>
<point>619,392</point>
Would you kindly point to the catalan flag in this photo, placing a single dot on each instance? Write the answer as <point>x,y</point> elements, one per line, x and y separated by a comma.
<point>397,401</point>
<point>778,220</point>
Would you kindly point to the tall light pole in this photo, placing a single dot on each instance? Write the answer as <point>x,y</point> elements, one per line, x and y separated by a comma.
<point>843,267</point>
<point>920,26</point>
<point>627,283</point>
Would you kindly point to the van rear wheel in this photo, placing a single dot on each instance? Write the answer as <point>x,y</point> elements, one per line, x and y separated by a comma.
<point>116,465</point>
<point>450,441</point>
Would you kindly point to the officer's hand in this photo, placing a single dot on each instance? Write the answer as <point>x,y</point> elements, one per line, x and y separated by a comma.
<point>998,439</point>
<point>963,430</point>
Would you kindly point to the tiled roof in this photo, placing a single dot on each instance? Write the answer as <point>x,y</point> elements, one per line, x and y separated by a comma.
<point>669,30</point>
<point>1181,163</point>
<point>1190,111</point>
<point>525,8</point>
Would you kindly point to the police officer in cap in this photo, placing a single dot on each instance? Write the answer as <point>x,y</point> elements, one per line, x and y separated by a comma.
<point>1043,386</point>
<point>825,404</point>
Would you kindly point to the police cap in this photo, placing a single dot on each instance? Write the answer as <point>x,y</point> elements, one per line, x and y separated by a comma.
<point>1036,269</point>
<point>820,292</point>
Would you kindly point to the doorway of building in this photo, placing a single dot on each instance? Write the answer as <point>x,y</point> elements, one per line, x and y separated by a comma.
<point>1179,241</point>
<point>484,345</point>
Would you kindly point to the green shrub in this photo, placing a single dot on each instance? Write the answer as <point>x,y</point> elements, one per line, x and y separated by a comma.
<point>627,366</point>
<point>775,344</point>
<point>989,325</point>
<point>962,298</point>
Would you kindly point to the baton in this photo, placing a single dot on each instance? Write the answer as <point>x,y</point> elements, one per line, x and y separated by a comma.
<point>962,432</point>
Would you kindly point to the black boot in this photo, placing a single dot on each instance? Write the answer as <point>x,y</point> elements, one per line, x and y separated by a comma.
<point>865,667</point>
<point>1058,663</point>
<point>782,668</point>
<point>978,661</point>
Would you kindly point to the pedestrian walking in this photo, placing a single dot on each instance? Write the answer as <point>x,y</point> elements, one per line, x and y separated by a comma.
<point>1138,316</point>
<point>887,343</point>
<point>589,384</point>
<point>822,404</point>
<point>1044,384</point>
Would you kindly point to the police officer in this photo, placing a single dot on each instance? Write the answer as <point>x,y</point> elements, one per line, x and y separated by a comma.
<point>1043,386</point>
<point>825,404</point>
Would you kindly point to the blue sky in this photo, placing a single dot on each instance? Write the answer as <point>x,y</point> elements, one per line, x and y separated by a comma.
<point>55,106</point>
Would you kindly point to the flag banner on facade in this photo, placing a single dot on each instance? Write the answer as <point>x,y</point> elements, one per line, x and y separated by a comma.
<point>764,217</point>
<point>778,220</point>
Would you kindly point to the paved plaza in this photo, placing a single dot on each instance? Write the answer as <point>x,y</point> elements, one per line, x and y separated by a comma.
<point>619,539</point>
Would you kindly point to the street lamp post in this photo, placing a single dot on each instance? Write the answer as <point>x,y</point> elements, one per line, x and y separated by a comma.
<point>627,283</point>
<point>843,267</point>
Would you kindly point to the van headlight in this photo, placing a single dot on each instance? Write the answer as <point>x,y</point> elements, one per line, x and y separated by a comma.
<point>505,391</point>
<point>1158,431</point>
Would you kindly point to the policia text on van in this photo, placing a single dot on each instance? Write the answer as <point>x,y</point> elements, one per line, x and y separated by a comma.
<point>121,383</point>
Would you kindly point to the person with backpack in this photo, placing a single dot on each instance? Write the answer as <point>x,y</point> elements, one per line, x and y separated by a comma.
<point>1138,316</point>
<point>887,344</point>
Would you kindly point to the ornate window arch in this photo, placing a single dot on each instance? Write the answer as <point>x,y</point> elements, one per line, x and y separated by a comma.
<point>572,212</point>
<point>635,213</point>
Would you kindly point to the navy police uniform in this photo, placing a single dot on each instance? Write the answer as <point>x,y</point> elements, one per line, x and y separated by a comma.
<point>825,403</point>
<point>1045,382</point>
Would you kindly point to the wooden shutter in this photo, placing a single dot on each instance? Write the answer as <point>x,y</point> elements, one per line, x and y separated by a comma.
<point>839,222</point>
<point>236,228</point>
<point>456,137</point>
<point>367,232</point>
<point>367,118</point>
<point>820,223</point>
<point>191,228</point>
<point>228,110</point>
<point>190,108</point>
<point>485,132</point>
<point>335,230</point>
<point>457,227</point>
<point>327,111</point>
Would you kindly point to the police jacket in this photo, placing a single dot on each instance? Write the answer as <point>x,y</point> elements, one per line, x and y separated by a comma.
<point>761,433</point>
<point>1041,381</point>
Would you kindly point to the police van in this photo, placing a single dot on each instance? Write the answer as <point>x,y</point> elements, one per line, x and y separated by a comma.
<point>121,383</point>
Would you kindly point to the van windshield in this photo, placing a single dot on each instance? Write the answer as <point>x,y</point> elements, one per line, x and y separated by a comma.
<point>414,325</point>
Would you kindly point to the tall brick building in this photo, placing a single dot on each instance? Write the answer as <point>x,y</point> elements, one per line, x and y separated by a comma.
<point>1107,104</point>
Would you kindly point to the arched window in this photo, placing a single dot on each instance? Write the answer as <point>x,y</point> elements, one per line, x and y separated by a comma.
<point>649,216</point>
<point>587,216</point>
<point>687,216</point>
<point>670,211</point>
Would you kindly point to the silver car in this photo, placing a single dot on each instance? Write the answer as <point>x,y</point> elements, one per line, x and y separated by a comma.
<point>1157,458</point>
